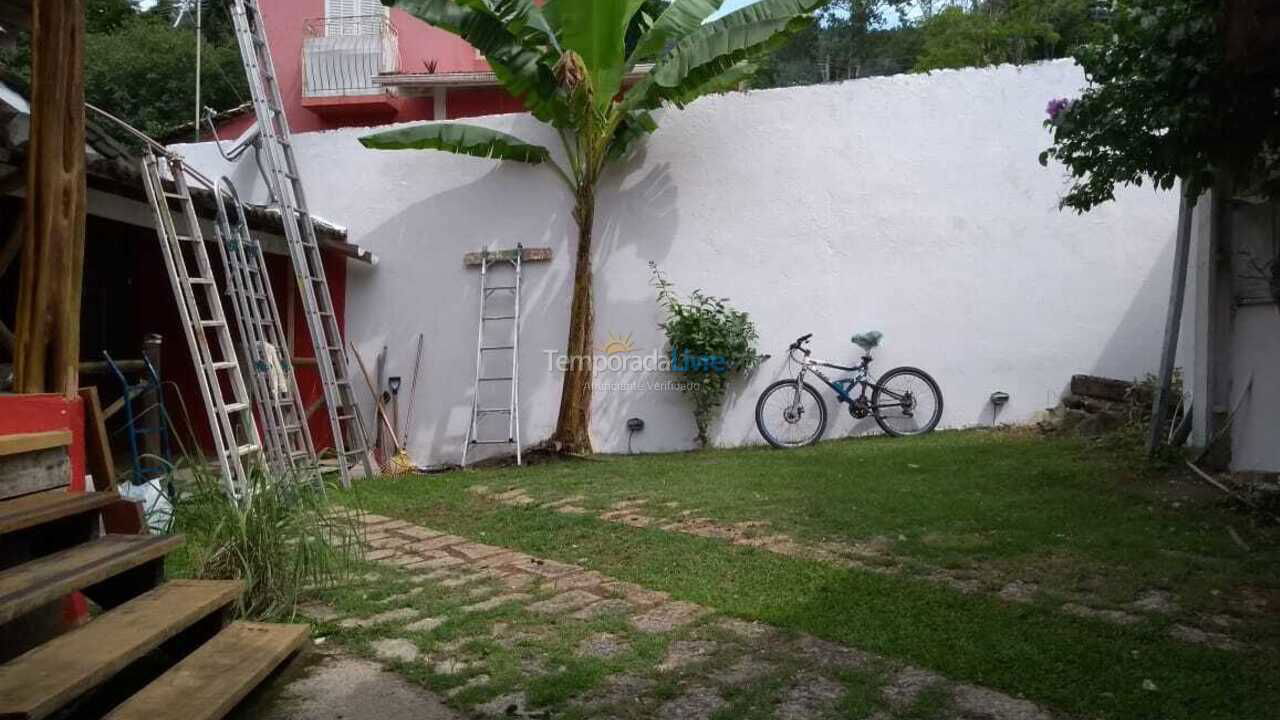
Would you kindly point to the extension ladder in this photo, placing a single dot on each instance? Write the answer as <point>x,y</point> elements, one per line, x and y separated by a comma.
<point>235,434</point>
<point>275,387</point>
<point>508,316</point>
<point>281,168</point>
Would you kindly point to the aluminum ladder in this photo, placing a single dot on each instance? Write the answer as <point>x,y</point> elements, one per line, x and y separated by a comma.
<point>231,422</point>
<point>507,315</point>
<point>275,386</point>
<point>281,168</point>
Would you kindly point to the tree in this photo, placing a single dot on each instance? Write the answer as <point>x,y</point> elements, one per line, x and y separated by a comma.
<point>566,61</point>
<point>141,68</point>
<point>1006,31</point>
<point>1164,104</point>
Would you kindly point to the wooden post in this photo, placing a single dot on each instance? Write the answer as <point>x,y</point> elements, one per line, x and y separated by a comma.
<point>1173,322</point>
<point>47,355</point>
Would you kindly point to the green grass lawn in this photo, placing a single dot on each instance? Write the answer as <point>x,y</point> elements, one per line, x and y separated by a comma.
<point>1078,522</point>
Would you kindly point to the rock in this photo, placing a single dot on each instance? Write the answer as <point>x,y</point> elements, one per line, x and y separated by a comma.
<point>495,602</point>
<point>449,666</point>
<point>612,606</point>
<point>319,611</point>
<point>395,649</point>
<point>509,705</point>
<point>1092,386</point>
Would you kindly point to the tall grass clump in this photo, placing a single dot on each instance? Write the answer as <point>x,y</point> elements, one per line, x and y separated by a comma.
<point>286,540</point>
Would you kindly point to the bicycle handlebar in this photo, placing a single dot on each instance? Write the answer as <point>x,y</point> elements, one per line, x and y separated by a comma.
<point>799,344</point>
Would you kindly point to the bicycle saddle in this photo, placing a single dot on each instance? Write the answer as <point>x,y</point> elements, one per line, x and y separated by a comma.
<point>867,341</point>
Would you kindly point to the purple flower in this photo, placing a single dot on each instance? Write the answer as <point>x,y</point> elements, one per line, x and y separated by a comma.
<point>1057,107</point>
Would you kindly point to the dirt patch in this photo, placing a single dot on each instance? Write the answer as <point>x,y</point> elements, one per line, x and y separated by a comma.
<point>1115,617</point>
<point>907,685</point>
<point>982,704</point>
<point>829,654</point>
<point>1155,601</point>
<point>744,671</point>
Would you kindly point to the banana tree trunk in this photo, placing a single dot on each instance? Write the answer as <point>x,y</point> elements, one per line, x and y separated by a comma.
<point>572,432</point>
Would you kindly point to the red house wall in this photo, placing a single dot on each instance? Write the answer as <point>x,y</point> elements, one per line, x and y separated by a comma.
<point>419,43</point>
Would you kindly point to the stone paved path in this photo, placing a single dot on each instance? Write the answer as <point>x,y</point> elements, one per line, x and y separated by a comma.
<point>699,662</point>
<point>876,555</point>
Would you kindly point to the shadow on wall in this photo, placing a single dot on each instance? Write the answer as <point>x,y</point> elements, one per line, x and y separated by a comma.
<point>1120,354</point>
<point>422,286</point>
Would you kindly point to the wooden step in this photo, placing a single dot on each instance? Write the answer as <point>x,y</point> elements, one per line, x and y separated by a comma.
<point>28,586</point>
<point>36,684</point>
<point>209,682</point>
<point>43,507</point>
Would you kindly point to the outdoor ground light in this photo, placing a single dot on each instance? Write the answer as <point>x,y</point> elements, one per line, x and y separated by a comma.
<point>634,425</point>
<point>999,399</point>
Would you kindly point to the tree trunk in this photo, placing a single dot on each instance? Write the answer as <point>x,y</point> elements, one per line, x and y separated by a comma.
<point>573,426</point>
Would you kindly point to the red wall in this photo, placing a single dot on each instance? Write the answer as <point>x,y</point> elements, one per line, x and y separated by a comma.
<point>42,413</point>
<point>419,43</point>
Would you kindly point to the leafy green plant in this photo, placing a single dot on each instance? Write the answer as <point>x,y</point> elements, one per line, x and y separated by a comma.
<point>709,342</point>
<point>287,540</point>
<point>570,63</point>
<point>1166,103</point>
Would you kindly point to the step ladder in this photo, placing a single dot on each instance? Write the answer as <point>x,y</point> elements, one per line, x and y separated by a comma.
<point>231,422</point>
<point>281,168</point>
<point>496,379</point>
<point>275,386</point>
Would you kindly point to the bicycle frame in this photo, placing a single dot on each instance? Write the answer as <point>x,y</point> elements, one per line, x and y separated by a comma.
<point>843,387</point>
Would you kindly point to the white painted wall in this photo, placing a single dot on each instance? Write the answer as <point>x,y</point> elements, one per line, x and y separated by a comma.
<point>1233,335</point>
<point>913,205</point>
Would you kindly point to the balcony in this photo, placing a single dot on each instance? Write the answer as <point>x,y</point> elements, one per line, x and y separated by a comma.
<point>341,56</point>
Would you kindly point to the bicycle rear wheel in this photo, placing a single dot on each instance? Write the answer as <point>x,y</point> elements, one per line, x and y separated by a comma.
<point>906,402</point>
<point>790,418</point>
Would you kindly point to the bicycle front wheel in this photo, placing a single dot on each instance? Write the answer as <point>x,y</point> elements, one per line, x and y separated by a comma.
<point>906,401</point>
<point>791,414</point>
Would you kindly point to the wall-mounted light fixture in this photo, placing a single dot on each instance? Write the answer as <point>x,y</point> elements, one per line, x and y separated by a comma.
<point>634,425</point>
<point>999,399</point>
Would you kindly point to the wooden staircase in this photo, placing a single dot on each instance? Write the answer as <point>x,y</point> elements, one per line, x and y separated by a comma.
<point>50,546</point>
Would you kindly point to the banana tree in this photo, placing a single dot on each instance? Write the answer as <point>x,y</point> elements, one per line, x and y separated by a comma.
<point>571,65</point>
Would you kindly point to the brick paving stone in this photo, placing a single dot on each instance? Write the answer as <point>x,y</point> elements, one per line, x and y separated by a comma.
<point>395,649</point>
<point>743,672</point>
<point>495,602</point>
<point>564,602</point>
<point>370,519</point>
<point>475,551</point>
<point>698,703</point>
<point>686,652</point>
<point>627,504</point>
<point>440,563</point>
<point>635,594</point>
<point>387,541</point>
<point>319,611</point>
<point>563,501</point>
<point>517,580</point>
<point>601,645</point>
<point>548,568</point>
<point>426,624</point>
<point>744,629</point>
<point>418,533</point>
<point>508,557</point>
<point>572,510</point>
<point>611,606</point>
<point>476,681</point>
<point>809,697</point>
<point>587,579</point>
<point>377,555</point>
<point>405,560</point>
<point>907,684</point>
<point>829,654</point>
<point>397,615</point>
<point>393,525</point>
<point>665,618</point>
<point>991,705</point>
<point>1117,617</point>
<point>464,579</point>
<point>479,490</point>
<point>437,543</point>
<point>517,492</point>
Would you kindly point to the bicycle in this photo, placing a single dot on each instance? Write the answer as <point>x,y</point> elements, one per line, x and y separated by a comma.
<point>791,413</point>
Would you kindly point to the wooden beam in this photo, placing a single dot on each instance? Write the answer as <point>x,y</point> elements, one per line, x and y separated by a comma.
<point>527,255</point>
<point>48,317</point>
<point>97,445</point>
<point>31,442</point>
